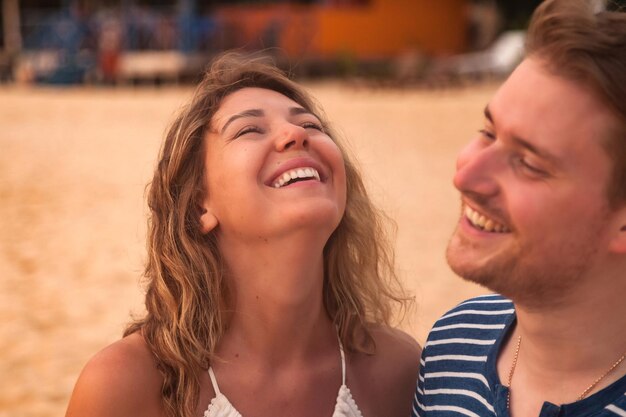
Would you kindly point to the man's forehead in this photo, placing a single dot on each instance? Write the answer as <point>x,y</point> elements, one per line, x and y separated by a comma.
<point>533,98</point>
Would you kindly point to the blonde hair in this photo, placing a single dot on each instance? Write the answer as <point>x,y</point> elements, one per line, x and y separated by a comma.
<point>187,296</point>
<point>588,48</point>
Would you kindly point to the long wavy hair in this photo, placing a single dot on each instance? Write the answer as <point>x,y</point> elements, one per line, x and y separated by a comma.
<point>188,298</point>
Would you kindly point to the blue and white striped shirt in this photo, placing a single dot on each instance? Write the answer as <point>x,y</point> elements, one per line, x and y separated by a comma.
<point>458,374</point>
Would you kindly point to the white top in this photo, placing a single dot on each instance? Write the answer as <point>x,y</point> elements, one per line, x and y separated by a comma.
<point>344,407</point>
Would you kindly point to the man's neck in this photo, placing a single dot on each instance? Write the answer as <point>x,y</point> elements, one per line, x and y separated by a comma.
<point>567,346</point>
<point>579,335</point>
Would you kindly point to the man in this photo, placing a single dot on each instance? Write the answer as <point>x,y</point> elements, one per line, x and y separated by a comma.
<point>543,222</point>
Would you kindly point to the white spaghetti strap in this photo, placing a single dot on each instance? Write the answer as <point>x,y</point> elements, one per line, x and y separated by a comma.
<point>214,382</point>
<point>343,362</point>
<point>345,405</point>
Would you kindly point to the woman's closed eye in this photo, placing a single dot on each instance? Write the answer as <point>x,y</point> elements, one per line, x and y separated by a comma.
<point>251,129</point>
<point>312,125</point>
<point>248,129</point>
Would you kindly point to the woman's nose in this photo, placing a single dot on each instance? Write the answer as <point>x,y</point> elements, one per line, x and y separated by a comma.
<point>291,136</point>
<point>477,170</point>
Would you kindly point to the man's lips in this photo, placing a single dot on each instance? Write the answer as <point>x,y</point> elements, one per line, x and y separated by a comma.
<point>484,222</point>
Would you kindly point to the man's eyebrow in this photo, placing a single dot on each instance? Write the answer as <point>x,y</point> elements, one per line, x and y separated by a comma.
<point>542,153</point>
<point>488,115</point>
<point>245,113</point>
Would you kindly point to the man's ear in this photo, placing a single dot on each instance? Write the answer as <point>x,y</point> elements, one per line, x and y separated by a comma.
<point>208,221</point>
<point>618,241</point>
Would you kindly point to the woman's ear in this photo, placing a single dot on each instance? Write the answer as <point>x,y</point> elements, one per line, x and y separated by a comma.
<point>208,221</point>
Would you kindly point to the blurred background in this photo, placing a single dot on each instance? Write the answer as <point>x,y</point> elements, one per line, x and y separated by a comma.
<point>170,41</point>
<point>87,89</point>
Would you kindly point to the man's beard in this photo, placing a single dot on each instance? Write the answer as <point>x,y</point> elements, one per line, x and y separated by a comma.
<point>534,280</point>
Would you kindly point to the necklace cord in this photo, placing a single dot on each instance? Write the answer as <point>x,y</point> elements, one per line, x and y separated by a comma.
<point>594,383</point>
<point>512,371</point>
<point>580,397</point>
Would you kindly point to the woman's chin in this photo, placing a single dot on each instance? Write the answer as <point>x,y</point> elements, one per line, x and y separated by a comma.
<point>318,222</point>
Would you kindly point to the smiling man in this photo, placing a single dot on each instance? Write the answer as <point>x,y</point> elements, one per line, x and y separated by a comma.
<point>543,223</point>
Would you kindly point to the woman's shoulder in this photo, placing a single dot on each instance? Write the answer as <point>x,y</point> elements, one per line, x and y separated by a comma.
<point>396,351</point>
<point>120,380</point>
<point>385,382</point>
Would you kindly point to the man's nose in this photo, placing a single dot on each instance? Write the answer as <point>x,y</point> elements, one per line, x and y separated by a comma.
<point>291,136</point>
<point>477,170</point>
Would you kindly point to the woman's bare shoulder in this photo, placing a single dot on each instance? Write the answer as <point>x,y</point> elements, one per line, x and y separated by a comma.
<point>396,351</point>
<point>121,380</point>
<point>394,366</point>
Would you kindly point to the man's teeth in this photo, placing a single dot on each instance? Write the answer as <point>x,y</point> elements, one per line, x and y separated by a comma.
<point>480,221</point>
<point>303,173</point>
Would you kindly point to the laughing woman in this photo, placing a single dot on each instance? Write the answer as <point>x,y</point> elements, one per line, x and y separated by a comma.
<point>269,284</point>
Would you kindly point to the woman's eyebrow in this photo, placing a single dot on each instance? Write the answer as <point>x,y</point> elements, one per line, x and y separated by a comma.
<point>245,113</point>
<point>294,111</point>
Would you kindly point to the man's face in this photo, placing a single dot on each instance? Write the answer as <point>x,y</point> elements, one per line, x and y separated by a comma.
<point>533,187</point>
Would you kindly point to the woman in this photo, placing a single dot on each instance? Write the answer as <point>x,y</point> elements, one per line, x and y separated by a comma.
<point>270,284</point>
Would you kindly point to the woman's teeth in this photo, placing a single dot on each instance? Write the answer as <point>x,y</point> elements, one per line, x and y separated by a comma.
<point>299,173</point>
<point>484,223</point>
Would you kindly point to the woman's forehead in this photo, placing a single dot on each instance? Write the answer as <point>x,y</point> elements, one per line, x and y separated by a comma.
<point>252,99</point>
<point>254,96</point>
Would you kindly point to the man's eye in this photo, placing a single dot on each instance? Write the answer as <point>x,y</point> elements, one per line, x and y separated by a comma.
<point>487,134</point>
<point>530,168</point>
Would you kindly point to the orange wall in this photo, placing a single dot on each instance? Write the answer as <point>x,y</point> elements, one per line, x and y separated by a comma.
<point>383,28</point>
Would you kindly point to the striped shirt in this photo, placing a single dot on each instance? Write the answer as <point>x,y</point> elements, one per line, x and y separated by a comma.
<point>458,375</point>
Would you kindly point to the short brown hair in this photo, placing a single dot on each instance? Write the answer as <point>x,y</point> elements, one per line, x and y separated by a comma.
<point>588,48</point>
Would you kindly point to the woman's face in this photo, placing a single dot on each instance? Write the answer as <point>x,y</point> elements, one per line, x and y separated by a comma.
<point>270,169</point>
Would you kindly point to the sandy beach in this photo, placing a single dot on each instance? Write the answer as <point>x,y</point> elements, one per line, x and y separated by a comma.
<point>74,164</point>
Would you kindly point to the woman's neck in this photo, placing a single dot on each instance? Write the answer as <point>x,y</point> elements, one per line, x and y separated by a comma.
<point>278,304</point>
